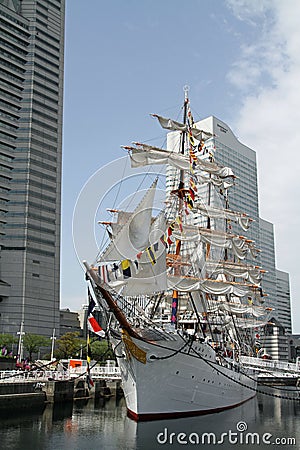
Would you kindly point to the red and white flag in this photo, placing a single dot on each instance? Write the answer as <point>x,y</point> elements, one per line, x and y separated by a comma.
<point>94,326</point>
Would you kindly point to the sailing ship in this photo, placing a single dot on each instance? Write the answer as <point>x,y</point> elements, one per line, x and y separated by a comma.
<point>179,290</point>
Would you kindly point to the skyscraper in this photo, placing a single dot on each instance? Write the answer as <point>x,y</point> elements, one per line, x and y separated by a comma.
<point>31,106</point>
<point>229,151</point>
<point>283,300</point>
<point>244,197</point>
<point>267,246</point>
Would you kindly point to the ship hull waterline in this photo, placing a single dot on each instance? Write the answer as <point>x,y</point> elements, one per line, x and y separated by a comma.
<point>177,380</point>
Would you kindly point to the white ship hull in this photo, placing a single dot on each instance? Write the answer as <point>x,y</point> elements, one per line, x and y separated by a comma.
<point>181,384</point>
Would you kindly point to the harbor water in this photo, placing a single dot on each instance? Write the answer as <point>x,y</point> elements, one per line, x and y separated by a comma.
<point>103,424</point>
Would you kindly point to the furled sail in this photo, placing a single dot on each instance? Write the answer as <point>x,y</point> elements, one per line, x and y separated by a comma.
<point>237,307</point>
<point>133,237</point>
<point>172,125</point>
<point>215,287</point>
<point>216,213</point>
<point>239,245</point>
<point>250,323</point>
<point>214,169</point>
<point>248,272</point>
<point>215,180</point>
<point>143,155</point>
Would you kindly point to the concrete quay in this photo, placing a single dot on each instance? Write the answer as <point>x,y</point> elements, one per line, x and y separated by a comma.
<point>16,396</point>
<point>19,396</point>
<point>12,403</point>
<point>101,389</point>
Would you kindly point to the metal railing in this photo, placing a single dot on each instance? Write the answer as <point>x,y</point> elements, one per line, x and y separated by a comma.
<point>98,372</point>
<point>12,376</point>
<point>271,364</point>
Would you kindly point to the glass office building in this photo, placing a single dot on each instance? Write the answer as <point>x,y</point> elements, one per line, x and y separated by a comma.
<point>31,106</point>
<point>243,197</point>
<point>283,300</point>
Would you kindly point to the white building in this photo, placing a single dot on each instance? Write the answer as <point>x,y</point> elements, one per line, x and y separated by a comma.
<point>243,197</point>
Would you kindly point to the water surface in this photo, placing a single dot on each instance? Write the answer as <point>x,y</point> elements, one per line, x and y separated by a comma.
<point>90,425</point>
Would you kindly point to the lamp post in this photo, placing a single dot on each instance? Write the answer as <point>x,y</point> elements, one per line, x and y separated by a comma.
<point>20,345</point>
<point>52,345</point>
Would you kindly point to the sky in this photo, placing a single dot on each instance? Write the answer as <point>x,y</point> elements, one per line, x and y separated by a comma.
<point>124,60</point>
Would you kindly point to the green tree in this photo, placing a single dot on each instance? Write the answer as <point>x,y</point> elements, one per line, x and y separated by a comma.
<point>7,340</point>
<point>33,342</point>
<point>102,350</point>
<point>68,346</point>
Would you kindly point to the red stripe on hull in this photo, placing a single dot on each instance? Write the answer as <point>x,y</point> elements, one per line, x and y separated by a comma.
<point>174,415</point>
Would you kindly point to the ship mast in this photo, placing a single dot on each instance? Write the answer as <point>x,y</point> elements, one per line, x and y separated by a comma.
<point>180,196</point>
<point>186,101</point>
<point>226,259</point>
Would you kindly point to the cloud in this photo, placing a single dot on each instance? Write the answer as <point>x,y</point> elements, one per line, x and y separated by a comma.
<point>249,10</point>
<point>266,74</point>
<point>267,56</point>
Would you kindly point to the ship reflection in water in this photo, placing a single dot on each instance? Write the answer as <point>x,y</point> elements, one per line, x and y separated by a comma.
<point>89,425</point>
